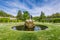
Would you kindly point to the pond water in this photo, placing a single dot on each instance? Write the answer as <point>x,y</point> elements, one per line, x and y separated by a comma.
<point>36,28</point>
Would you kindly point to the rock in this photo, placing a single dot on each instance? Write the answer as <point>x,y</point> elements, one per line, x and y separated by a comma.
<point>29,24</point>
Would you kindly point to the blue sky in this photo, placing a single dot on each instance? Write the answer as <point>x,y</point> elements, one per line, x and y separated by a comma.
<point>34,7</point>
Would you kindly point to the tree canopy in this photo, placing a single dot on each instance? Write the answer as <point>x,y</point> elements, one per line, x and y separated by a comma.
<point>19,15</point>
<point>26,15</point>
<point>4,14</point>
<point>42,16</point>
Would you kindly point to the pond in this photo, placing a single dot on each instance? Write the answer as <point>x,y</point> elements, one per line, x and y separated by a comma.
<point>23,28</point>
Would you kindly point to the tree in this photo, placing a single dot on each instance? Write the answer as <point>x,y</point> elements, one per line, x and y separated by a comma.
<point>36,18</point>
<point>19,15</point>
<point>42,16</point>
<point>56,15</point>
<point>4,14</point>
<point>26,15</point>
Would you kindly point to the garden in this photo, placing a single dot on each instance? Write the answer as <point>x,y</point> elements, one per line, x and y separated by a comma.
<point>52,33</point>
<point>26,27</point>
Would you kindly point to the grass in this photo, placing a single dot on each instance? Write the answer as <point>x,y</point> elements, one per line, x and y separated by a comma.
<point>52,33</point>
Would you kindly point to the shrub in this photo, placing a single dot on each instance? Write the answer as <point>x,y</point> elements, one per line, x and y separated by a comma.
<point>19,20</point>
<point>4,19</point>
<point>13,20</point>
<point>8,20</point>
<point>56,20</point>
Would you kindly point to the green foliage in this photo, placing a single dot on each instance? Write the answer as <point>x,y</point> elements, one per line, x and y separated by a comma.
<point>23,16</point>
<point>26,15</point>
<point>4,19</point>
<point>52,33</point>
<point>36,18</point>
<point>4,14</point>
<point>52,18</point>
<point>19,15</point>
<point>42,17</point>
<point>19,20</point>
<point>56,20</point>
<point>43,20</point>
<point>13,20</point>
<point>56,15</point>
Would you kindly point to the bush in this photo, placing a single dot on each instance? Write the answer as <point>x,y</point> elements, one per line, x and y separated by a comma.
<point>42,20</point>
<point>13,20</point>
<point>19,20</point>
<point>56,20</point>
<point>8,20</point>
<point>4,19</point>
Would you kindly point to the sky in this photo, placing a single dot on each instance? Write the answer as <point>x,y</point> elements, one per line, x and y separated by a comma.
<point>34,7</point>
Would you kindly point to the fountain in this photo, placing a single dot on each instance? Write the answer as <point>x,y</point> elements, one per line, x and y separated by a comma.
<point>29,26</point>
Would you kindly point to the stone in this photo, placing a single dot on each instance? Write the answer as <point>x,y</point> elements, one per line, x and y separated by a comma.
<point>29,24</point>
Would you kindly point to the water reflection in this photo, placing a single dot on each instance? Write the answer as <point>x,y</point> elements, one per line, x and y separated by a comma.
<point>36,28</point>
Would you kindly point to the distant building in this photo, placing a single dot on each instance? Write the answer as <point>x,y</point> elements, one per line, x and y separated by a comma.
<point>11,18</point>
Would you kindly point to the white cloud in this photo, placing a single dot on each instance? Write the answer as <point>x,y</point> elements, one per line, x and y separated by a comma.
<point>15,6</point>
<point>32,4</point>
<point>48,9</point>
<point>45,0</point>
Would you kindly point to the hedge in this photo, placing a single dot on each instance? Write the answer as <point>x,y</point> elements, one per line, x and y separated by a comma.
<point>8,20</point>
<point>4,19</point>
<point>56,20</point>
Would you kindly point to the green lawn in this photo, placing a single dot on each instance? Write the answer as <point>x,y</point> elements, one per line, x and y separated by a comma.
<point>52,33</point>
